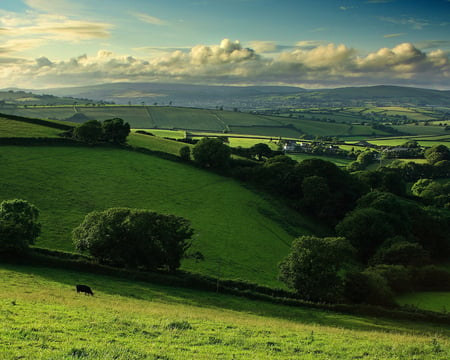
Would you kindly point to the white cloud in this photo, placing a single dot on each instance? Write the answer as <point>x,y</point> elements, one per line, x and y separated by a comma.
<point>230,62</point>
<point>149,19</point>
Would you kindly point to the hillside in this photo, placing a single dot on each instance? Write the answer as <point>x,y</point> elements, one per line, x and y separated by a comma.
<point>43,317</point>
<point>252,97</point>
<point>242,235</point>
<point>193,119</point>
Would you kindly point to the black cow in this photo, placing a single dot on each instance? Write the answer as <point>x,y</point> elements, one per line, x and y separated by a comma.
<point>85,289</point>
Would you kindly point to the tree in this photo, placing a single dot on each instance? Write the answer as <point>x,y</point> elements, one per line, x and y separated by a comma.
<point>366,229</point>
<point>115,130</point>
<point>261,150</point>
<point>18,225</point>
<point>89,131</point>
<point>313,267</point>
<point>135,238</point>
<point>437,153</point>
<point>185,153</point>
<point>212,152</point>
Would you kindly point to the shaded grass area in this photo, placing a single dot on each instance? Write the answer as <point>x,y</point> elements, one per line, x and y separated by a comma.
<point>336,160</point>
<point>43,317</point>
<point>242,234</point>
<point>427,300</point>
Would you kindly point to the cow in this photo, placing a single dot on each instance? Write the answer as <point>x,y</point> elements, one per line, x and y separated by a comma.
<point>85,289</point>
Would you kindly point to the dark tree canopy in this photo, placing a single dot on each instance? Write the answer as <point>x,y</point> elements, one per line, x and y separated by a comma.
<point>312,268</point>
<point>18,225</point>
<point>212,153</point>
<point>115,130</point>
<point>89,131</point>
<point>134,238</point>
<point>93,131</point>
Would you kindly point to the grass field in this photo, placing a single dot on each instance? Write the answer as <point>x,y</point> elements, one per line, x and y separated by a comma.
<point>336,160</point>
<point>12,128</point>
<point>43,317</point>
<point>241,234</point>
<point>431,300</point>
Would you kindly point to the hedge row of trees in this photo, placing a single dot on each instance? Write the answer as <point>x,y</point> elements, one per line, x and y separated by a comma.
<point>93,131</point>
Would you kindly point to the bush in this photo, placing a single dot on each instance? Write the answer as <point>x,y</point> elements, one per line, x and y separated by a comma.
<point>368,288</point>
<point>401,253</point>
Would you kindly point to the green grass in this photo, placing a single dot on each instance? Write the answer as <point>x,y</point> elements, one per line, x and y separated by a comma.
<point>155,143</point>
<point>13,128</point>
<point>43,317</point>
<point>336,160</point>
<point>431,300</point>
<point>242,234</point>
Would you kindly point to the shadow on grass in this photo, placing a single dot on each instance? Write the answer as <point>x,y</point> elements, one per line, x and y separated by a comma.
<point>115,286</point>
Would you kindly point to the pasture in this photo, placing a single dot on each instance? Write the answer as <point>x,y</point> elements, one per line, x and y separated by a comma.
<point>242,234</point>
<point>43,317</point>
<point>427,300</point>
<point>12,128</point>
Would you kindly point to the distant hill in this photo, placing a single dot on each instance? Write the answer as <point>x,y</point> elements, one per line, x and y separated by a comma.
<point>252,97</point>
<point>176,94</point>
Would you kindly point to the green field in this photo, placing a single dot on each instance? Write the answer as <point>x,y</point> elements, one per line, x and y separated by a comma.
<point>336,160</point>
<point>242,234</point>
<point>12,128</point>
<point>43,317</point>
<point>431,300</point>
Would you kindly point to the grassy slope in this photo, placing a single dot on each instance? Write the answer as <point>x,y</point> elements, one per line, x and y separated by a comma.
<point>43,317</point>
<point>241,234</point>
<point>12,128</point>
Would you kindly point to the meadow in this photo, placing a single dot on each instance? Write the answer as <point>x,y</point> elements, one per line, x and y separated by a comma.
<point>426,300</point>
<point>241,233</point>
<point>43,317</point>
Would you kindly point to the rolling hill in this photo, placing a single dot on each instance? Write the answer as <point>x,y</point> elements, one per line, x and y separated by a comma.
<point>252,97</point>
<point>242,234</point>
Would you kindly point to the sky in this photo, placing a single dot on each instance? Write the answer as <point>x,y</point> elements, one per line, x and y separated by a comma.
<point>310,44</point>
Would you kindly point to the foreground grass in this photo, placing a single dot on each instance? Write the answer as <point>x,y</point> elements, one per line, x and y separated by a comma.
<point>242,234</point>
<point>43,317</point>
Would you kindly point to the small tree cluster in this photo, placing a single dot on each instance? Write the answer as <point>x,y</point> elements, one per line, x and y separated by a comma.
<point>135,238</point>
<point>93,131</point>
<point>18,226</point>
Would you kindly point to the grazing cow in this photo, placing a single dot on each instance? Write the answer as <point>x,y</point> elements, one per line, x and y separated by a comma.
<point>85,289</point>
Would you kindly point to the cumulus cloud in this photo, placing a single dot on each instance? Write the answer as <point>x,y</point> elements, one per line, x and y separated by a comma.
<point>232,63</point>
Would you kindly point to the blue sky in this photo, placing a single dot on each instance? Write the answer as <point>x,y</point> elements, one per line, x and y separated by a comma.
<point>312,44</point>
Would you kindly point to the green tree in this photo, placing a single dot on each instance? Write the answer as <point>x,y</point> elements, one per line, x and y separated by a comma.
<point>366,229</point>
<point>437,153</point>
<point>135,238</point>
<point>314,265</point>
<point>115,130</point>
<point>185,153</point>
<point>89,131</point>
<point>18,225</point>
<point>261,151</point>
<point>212,153</point>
